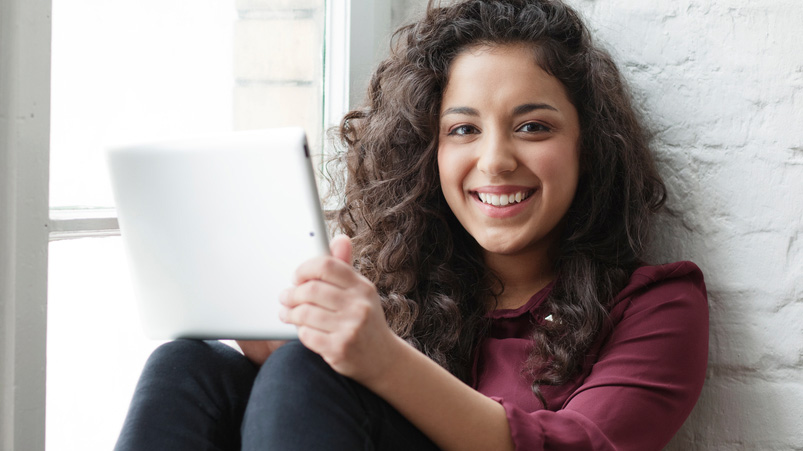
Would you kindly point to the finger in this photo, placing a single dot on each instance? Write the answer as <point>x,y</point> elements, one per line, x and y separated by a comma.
<point>340,247</point>
<point>328,269</point>
<point>309,315</point>
<point>315,340</point>
<point>317,292</point>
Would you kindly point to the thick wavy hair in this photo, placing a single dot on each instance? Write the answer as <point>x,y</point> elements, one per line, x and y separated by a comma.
<point>429,271</point>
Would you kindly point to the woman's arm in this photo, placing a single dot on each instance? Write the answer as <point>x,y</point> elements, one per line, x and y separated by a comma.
<point>450,413</point>
<point>339,316</point>
<point>647,378</point>
<point>647,374</point>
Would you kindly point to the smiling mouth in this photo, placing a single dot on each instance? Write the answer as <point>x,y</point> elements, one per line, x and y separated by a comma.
<point>501,200</point>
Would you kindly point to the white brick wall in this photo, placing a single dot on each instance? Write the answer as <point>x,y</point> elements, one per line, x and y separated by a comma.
<point>722,83</point>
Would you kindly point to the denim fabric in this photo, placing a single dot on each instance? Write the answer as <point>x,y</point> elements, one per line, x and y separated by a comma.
<point>195,395</point>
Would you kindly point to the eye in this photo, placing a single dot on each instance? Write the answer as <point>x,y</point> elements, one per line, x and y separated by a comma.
<point>462,130</point>
<point>533,127</point>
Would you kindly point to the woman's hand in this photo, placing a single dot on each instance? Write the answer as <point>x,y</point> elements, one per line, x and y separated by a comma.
<point>258,351</point>
<point>339,315</point>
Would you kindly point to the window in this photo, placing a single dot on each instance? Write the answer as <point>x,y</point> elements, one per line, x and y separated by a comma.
<point>116,79</point>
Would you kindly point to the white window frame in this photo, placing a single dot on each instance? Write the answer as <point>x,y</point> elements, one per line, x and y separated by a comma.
<point>351,56</point>
<point>26,223</point>
<point>24,171</point>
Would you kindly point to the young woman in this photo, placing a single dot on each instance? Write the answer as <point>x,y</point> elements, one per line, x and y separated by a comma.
<point>489,292</point>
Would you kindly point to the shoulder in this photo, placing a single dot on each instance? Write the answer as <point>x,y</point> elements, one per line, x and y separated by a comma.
<point>678,287</point>
<point>678,273</point>
<point>662,313</point>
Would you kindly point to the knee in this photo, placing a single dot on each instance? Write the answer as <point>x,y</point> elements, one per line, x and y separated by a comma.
<point>293,365</point>
<point>194,356</point>
<point>295,358</point>
<point>173,351</point>
<point>293,354</point>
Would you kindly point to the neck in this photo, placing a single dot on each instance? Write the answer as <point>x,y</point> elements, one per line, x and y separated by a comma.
<point>522,276</point>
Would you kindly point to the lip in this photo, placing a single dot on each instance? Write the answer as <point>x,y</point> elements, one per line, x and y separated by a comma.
<point>508,211</point>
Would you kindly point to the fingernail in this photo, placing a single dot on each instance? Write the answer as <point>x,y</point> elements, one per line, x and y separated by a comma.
<point>283,313</point>
<point>284,295</point>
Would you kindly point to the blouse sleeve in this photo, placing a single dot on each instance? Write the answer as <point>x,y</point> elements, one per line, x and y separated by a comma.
<point>648,376</point>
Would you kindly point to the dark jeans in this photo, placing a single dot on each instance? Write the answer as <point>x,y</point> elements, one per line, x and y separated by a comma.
<point>196,395</point>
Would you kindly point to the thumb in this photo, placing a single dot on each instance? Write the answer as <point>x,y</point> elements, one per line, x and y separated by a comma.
<point>340,246</point>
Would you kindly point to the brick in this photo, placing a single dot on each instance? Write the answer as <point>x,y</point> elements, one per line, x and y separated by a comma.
<point>746,338</point>
<point>279,5</point>
<point>744,415</point>
<point>261,106</point>
<point>278,50</point>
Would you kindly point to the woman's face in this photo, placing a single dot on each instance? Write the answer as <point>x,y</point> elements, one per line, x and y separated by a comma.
<point>508,149</point>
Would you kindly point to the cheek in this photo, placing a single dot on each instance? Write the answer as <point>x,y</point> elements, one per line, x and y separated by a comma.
<point>447,170</point>
<point>441,165</point>
<point>562,171</point>
<point>451,175</point>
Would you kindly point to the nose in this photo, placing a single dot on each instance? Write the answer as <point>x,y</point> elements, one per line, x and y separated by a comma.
<point>497,155</point>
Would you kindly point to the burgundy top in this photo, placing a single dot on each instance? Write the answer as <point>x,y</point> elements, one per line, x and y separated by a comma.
<point>643,375</point>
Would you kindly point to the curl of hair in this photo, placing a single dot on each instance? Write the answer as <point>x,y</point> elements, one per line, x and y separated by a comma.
<point>430,274</point>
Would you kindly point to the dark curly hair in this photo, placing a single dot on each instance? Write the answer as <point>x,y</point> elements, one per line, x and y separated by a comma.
<point>434,285</point>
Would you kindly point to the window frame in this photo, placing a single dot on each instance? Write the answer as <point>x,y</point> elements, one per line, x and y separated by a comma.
<point>27,225</point>
<point>24,171</point>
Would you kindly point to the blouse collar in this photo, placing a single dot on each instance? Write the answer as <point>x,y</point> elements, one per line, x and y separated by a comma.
<point>530,307</point>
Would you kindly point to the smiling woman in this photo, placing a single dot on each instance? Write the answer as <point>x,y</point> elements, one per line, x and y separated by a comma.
<point>490,292</point>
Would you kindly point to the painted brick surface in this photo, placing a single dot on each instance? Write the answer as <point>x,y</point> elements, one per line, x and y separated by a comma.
<point>278,68</point>
<point>265,105</point>
<point>721,84</point>
<point>278,5</point>
<point>267,49</point>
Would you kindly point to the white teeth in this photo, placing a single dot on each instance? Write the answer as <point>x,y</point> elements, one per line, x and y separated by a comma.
<point>503,199</point>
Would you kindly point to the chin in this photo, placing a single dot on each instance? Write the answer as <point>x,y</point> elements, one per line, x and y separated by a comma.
<point>501,247</point>
<point>508,244</point>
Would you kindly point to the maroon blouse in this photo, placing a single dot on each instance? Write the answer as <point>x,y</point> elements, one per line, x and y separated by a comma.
<point>643,374</point>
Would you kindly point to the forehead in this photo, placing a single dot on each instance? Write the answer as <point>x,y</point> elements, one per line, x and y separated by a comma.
<point>484,72</point>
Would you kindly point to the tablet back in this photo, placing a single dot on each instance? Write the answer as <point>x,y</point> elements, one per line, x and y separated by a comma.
<point>214,229</point>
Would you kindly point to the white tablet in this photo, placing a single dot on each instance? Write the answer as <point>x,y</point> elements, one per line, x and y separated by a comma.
<point>214,228</point>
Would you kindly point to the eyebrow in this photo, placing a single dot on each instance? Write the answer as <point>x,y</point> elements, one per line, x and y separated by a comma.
<point>519,110</point>
<point>527,107</point>
<point>461,110</point>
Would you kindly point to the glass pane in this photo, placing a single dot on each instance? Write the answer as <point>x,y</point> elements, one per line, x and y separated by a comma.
<point>147,69</point>
<point>278,65</point>
<point>130,71</point>
<point>136,70</point>
<point>95,346</point>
